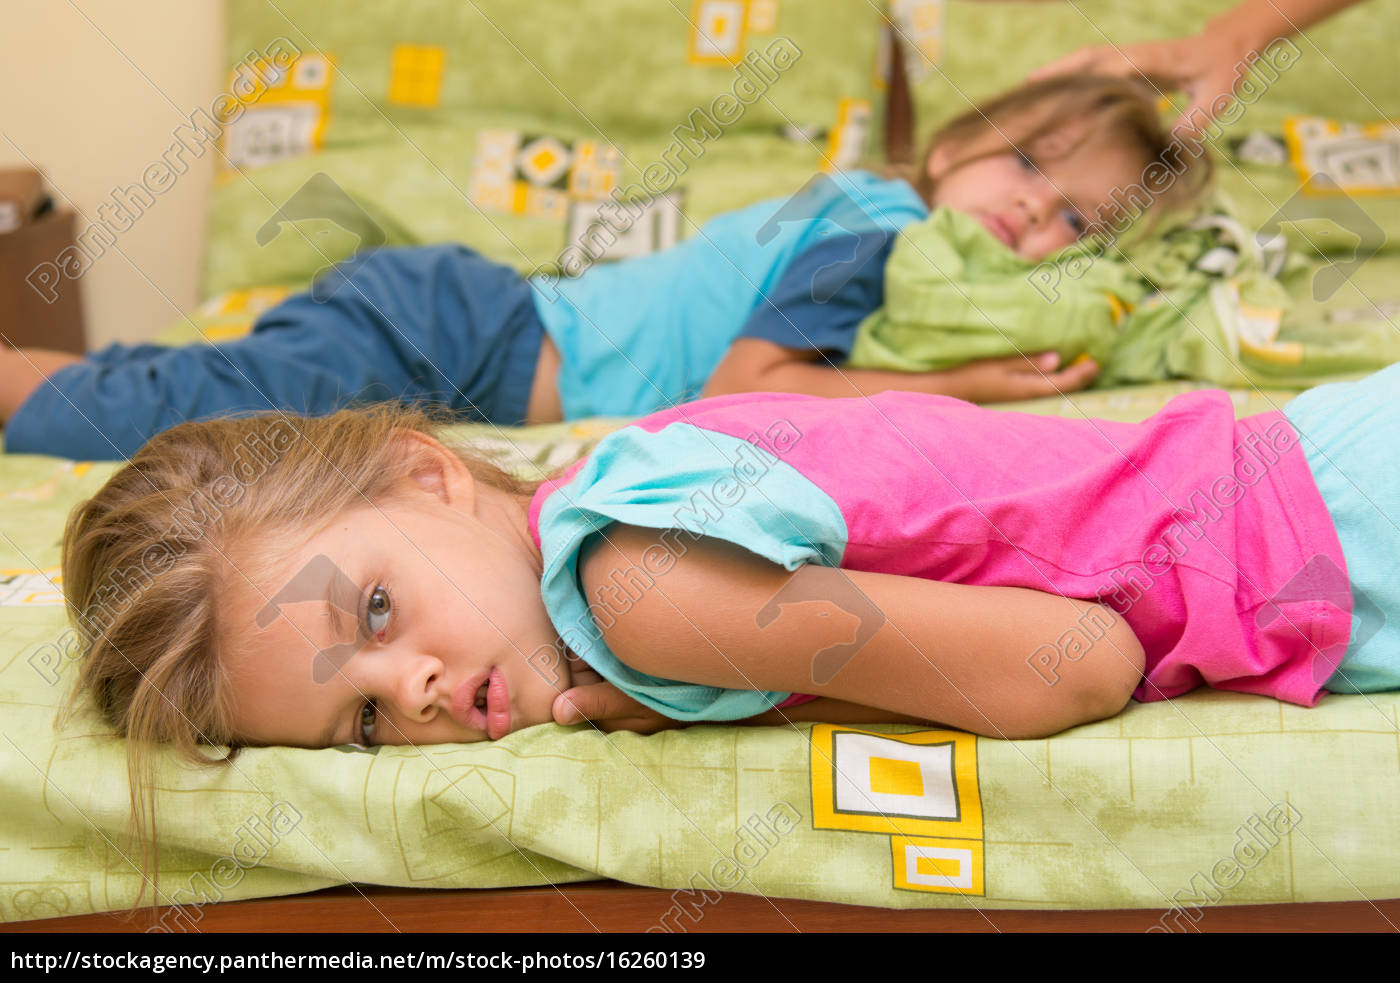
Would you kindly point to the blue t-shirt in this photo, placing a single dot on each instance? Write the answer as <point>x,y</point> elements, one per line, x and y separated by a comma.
<point>1347,431</point>
<point>802,271</point>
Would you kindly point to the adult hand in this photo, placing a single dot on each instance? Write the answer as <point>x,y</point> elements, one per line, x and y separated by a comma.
<point>594,699</point>
<point>996,380</point>
<point>1208,67</point>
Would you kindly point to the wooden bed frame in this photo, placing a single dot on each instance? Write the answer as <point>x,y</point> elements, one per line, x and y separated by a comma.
<point>612,906</point>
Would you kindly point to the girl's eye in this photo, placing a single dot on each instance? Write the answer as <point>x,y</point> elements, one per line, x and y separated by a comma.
<point>364,731</point>
<point>1025,159</point>
<point>376,618</point>
<point>1076,223</point>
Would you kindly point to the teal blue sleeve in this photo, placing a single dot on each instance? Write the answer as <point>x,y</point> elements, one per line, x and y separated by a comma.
<point>696,482</point>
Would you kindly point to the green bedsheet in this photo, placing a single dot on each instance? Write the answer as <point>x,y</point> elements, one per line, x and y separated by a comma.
<point>1212,798</point>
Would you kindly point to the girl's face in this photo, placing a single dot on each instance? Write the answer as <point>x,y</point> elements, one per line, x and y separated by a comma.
<point>417,622</point>
<point>1040,198</point>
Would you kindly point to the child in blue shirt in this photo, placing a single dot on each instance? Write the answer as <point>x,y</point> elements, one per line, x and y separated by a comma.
<point>764,298</point>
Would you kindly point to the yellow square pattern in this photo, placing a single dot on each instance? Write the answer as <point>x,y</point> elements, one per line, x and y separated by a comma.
<point>596,171</point>
<point>250,300</point>
<point>284,114</point>
<point>32,588</point>
<point>889,776</point>
<point>544,159</point>
<point>717,29</point>
<point>944,866</point>
<point>846,144</point>
<point>919,26</point>
<point>415,74</point>
<point>539,175</point>
<point>1360,157</point>
<point>864,781</point>
<point>762,16</point>
<point>938,866</point>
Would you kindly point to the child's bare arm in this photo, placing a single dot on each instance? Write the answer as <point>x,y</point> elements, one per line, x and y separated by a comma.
<point>757,365</point>
<point>23,370</point>
<point>609,708</point>
<point>953,653</point>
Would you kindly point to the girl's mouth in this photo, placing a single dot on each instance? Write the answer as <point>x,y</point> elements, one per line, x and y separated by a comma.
<point>482,703</point>
<point>497,706</point>
<point>1000,228</point>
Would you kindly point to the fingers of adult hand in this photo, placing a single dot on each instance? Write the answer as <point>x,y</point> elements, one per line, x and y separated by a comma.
<point>1210,95</point>
<point>1081,60</point>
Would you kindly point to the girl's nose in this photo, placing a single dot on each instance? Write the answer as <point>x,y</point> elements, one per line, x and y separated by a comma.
<point>1036,203</point>
<point>415,687</point>
<point>1038,198</point>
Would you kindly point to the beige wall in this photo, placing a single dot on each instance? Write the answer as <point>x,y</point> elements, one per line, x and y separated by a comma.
<point>93,90</point>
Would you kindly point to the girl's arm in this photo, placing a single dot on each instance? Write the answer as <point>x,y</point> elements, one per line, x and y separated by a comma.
<point>958,654</point>
<point>609,708</point>
<point>757,365</point>
<point>23,370</point>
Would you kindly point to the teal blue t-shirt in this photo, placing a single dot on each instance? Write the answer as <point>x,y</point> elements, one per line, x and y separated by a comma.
<point>1348,432</point>
<point>644,333</point>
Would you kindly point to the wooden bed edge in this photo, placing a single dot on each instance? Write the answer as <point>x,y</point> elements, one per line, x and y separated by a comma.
<point>612,906</point>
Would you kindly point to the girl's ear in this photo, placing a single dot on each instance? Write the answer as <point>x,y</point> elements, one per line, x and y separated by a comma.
<point>940,160</point>
<point>436,470</point>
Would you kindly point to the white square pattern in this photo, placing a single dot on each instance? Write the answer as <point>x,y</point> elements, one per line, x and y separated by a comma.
<point>854,794</point>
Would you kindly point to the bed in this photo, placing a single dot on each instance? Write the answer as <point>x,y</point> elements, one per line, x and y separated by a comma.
<point>387,128</point>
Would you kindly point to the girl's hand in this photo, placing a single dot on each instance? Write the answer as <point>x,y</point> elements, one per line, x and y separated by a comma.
<point>997,380</point>
<point>592,698</point>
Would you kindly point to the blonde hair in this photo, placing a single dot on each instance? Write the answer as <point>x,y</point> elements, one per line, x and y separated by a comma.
<point>1121,110</point>
<point>145,560</point>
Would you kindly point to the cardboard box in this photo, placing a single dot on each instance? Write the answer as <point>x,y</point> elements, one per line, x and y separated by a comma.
<point>21,194</point>
<point>27,316</point>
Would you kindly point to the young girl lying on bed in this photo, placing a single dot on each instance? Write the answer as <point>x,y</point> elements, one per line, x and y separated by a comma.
<point>755,557</point>
<point>768,297</point>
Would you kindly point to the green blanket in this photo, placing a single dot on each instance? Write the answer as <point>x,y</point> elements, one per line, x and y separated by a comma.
<point>1200,299</point>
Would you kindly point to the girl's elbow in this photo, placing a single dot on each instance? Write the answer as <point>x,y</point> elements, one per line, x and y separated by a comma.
<point>735,379</point>
<point>1117,671</point>
<point>1099,687</point>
